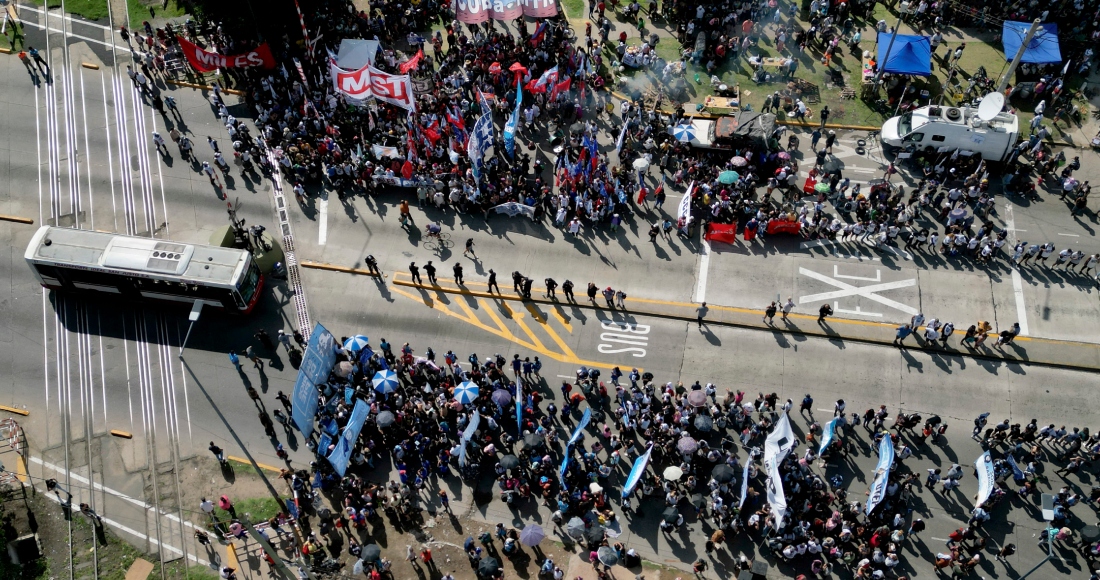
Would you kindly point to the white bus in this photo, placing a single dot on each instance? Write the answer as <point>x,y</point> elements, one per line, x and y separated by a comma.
<point>141,269</point>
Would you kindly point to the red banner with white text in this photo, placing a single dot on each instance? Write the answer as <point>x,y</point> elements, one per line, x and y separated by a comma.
<point>204,61</point>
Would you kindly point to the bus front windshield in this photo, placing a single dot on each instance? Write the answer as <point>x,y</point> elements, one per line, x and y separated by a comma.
<point>247,285</point>
<point>905,124</point>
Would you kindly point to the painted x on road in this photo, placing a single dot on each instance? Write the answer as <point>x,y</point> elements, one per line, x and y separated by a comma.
<point>868,292</point>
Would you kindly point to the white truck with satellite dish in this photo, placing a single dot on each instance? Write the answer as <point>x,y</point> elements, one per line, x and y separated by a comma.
<point>984,130</point>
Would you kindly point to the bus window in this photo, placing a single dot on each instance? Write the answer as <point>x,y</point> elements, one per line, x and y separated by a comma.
<point>247,286</point>
<point>914,138</point>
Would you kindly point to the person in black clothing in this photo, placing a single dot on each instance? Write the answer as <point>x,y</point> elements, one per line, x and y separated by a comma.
<point>567,288</point>
<point>592,291</point>
<point>458,274</point>
<point>285,400</point>
<point>493,281</point>
<point>517,281</point>
<point>527,282</point>
<point>372,265</point>
<point>265,339</point>
<point>551,285</point>
<point>824,311</point>
<point>430,269</point>
<point>415,272</point>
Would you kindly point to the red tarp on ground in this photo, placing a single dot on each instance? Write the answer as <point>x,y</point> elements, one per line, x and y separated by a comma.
<point>725,233</point>
<point>784,227</point>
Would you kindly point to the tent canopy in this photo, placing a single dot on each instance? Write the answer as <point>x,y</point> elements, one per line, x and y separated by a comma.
<point>1042,49</point>
<point>910,55</point>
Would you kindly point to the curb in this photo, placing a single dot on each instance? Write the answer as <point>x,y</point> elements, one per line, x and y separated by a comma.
<point>122,434</point>
<point>248,463</point>
<point>16,219</point>
<point>14,410</point>
<point>201,87</point>
<point>764,327</point>
<point>334,268</point>
<point>90,65</point>
<point>5,50</point>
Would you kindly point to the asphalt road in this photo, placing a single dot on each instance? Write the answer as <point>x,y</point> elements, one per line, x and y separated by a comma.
<point>78,152</point>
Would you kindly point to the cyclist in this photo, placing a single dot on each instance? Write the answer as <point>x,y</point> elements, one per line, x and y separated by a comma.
<point>433,229</point>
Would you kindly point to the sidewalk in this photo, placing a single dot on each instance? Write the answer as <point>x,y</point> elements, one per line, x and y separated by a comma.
<point>1024,350</point>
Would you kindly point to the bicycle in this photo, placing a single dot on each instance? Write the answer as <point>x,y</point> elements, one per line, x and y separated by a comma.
<point>438,241</point>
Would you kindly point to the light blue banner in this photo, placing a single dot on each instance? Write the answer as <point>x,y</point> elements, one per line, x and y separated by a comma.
<point>636,472</point>
<point>317,363</point>
<point>345,445</point>
<point>513,122</point>
<point>882,472</point>
<point>984,466</point>
<point>580,426</point>
<point>827,435</point>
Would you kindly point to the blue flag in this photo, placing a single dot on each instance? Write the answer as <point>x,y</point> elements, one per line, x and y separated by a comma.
<point>636,473</point>
<point>827,435</point>
<point>580,426</point>
<point>513,122</point>
<point>519,416</point>
<point>317,363</point>
<point>345,445</point>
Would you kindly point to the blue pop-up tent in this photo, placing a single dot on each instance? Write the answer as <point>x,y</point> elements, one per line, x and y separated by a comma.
<point>1043,47</point>
<point>910,55</point>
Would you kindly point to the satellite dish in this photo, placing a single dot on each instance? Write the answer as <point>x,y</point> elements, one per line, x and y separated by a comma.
<point>991,106</point>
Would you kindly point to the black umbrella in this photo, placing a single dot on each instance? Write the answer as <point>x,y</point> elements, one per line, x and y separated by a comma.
<point>370,553</point>
<point>488,566</point>
<point>509,462</point>
<point>704,422</point>
<point>670,515</point>
<point>533,440</point>
<point>723,473</point>
<point>697,500</point>
<point>594,535</point>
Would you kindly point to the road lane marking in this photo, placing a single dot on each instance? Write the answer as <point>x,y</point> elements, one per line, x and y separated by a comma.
<point>1017,281</point>
<point>868,292</point>
<point>837,274</point>
<point>820,243</point>
<point>704,267</point>
<point>1069,235</point>
<point>857,311</point>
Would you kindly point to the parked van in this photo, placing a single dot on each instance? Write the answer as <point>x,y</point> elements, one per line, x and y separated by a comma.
<point>936,127</point>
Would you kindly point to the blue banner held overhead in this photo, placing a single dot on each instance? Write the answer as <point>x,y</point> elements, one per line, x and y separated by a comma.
<point>481,138</point>
<point>984,466</point>
<point>636,472</point>
<point>317,362</point>
<point>882,473</point>
<point>345,445</point>
<point>519,417</point>
<point>513,123</point>
<point>580,426</point>
<point>828,433</point>
<point>565,466</point>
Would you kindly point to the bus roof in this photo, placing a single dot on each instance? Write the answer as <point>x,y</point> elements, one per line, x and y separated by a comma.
<point>158,258</point>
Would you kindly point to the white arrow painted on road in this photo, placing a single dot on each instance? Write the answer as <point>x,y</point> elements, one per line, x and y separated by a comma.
<point>868,292</point>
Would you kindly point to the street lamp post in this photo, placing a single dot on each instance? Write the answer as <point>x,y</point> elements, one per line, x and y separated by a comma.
<point>1048,515</point>
<point>196,310</point>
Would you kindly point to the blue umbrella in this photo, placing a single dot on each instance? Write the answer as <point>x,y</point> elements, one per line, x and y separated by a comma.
<point>466,392</point>
<point>683,132</point>
<point>356,343</point>
<point>502,397</point>
<point>385,382</point>
<point>728,177</point>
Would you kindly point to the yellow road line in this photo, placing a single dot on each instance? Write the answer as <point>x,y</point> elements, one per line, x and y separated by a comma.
<point>496,319</point>
<point>561,319</point>
<point>249,463</point>
<point>518,319</point>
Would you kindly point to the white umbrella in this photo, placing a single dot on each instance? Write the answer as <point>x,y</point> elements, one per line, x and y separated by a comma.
<point>641,164</point>
<point>684,132</point>
<point>672,473</point>
<point>594,487</point>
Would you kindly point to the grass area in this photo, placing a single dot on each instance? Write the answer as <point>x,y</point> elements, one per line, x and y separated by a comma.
<point>139,10</point>
<point>259,509</point>
<point>573,8</point>
<point>88,9</point>
<point>116,557</point>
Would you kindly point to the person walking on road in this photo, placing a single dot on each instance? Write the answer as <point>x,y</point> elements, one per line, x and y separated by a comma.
<point>902,333</point>
<point>788,306</point>
<point>620,299</point>
<point>700,314</point>
<point>158,141</point>
<point>493,281</point>
<point>551,285</point>
<point>218,452</point>
<point>284,339</point>
<point>567,289</point>
<point>458,273</point>
<point>469,251</point>
<point>429,268</point>
<point>1007,336</point>
<point>372,265</point>
<point>609,297</point>
<point>592,290</point>
<point>39,61</point>
<point>414,271</point>
<point>769,313</point>
<point>233,358</point>
<point>824,115</point>
<point>252,356</point>
<point>822,312</point>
